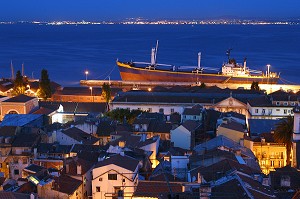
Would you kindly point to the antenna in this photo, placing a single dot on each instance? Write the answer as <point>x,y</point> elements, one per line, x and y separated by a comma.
<point>23,69</point>
<point>12,70</point>
<point>156,48</point>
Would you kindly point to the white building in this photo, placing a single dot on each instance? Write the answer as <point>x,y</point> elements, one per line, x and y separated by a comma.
<point>115,176</point>
<point>184,135</point>
<point>268,107</point>
<point>74,135</point>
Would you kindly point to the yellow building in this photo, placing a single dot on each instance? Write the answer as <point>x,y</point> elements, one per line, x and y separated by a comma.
<point>270,155</point>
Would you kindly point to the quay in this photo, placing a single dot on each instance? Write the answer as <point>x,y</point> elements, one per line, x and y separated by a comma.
<point>128,85</point>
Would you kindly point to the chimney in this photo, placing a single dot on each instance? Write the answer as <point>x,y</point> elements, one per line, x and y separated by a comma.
<point>200,178</point>
<point>67,168</point>
<point>79,170</point>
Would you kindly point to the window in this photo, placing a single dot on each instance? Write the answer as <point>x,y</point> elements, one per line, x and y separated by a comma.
<point>24,161</point>
<point>263,111</point>
<point>161,110</point>
<point>277,109</point>
<point>270,111</point>
<point>112,176</point>
<point>13,112</point>
<point>172,110</point>
<point>149,110</point>
<point>293,103</point>
<point>16,172</point>
<point>97,189</point>
<point>285,111</point>
<point>272,163</point>
<point>277,103</point>
<point>285,103</point>
<point>256,110</point>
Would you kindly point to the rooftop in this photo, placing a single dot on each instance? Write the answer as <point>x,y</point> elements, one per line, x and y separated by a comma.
<point>122,161</point>
<point>20,98</point>
<point>80,135</point>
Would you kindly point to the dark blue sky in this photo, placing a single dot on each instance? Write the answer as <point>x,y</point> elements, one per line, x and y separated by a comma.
<point>152,9</point>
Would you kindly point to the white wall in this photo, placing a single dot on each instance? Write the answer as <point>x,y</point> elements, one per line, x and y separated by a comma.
<point>272,112</point>
<point>181,137</point>
<point>107,186</point>
<point>155,107</point>
<point>64,139</point>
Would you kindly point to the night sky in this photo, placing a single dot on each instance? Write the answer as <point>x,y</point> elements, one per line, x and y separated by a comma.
<point>14,10</point>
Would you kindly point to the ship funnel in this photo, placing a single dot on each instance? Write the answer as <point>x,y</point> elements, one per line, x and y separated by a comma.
<point>153,57</point>
<point>199,60</point>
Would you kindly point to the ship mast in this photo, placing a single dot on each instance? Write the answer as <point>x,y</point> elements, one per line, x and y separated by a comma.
<point>154,54</point>
<point>199,60</point>
<point>12,70</point>
<point>228,54</point>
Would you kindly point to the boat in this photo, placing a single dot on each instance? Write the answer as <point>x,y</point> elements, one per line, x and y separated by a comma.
<point>230,72</point>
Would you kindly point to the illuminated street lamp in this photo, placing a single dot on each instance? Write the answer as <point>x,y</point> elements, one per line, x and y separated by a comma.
<point>86,73</point>
<point>91,88</point>
<point>268,65</point>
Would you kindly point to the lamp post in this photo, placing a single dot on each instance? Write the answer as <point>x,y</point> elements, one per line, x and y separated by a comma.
<point>86,73</point>
<point>268,65</point>
<point>91,88</point>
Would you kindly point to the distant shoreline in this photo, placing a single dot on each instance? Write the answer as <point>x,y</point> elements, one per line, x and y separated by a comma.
<point>162,22</point>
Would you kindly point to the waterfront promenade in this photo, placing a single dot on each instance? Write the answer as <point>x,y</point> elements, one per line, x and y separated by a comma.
<point>127,85</point>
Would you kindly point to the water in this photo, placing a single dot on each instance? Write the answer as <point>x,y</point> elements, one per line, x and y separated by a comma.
<point>67,51</point>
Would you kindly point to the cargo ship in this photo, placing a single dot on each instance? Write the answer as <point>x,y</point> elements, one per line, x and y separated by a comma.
<point>230,72</point>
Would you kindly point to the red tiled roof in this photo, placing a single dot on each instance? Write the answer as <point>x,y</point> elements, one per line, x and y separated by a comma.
<point>66,184</point>
<point>191,125</point>
<point>121,161</point>
<point>156,189</point>
<point>44,111</point>
<point>19,98</point>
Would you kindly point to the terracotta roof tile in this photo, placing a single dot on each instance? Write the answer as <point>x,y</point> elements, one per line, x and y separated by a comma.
<point>20,98</point>
<point>156,189</point>
<point>122,161</point>
<point>66,184</point>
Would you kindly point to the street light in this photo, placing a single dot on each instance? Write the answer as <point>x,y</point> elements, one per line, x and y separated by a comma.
<point>91,88</point>
<point>86,73</point>
<point>268,65</point>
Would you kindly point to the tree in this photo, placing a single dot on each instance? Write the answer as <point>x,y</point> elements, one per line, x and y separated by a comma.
<point>19,85</point>
<point>106,93</point>
<point>284,133</point>
<point>203,85</point>
<point>44,90</point>
<point>120,114</point>
<point>255,86</point>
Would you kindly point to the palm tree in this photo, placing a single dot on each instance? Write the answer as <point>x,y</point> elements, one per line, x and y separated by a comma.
<point>284,133</point>
<point>106,93</point>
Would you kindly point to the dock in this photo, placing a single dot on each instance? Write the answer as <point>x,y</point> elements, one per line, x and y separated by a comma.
<point>129,85</point>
